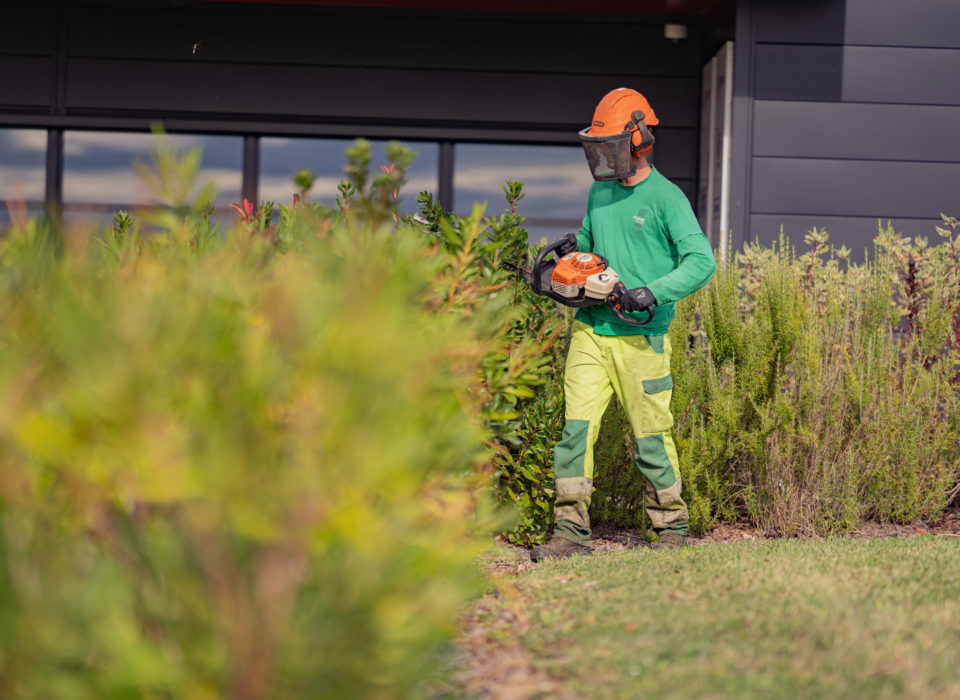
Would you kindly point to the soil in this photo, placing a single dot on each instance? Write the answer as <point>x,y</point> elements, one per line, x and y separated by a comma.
<point>494,664</point>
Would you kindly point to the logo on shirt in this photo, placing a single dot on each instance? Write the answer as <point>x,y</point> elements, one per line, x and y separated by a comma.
<point>639,218</point>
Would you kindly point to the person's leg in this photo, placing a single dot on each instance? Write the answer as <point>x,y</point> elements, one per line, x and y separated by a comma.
<point>644,384</point>
<point>587,392</point>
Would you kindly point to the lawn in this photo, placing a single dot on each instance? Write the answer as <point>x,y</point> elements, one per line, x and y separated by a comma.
<point>775,618</point>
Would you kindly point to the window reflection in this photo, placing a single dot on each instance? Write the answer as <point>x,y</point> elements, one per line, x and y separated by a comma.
<point>280,158</point>
<point>556,183</point>
<point>99,175</point>
<point>23,154</point>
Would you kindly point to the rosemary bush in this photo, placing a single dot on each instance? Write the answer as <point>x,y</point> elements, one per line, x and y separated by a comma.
<point>813,393</point>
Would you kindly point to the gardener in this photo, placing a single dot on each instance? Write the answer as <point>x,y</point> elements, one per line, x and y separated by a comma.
<point>644,226</point>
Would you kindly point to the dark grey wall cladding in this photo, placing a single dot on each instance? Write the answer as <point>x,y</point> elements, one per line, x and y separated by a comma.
<point>791,72</point>
<point>806,21</point>
<point>897,23</point>
<point>381,38</point>
<point>688,187</point>
<point>361,92</point>
<point>25,80</point>
<point>855,187</point>
<point>854,116</point>
<point>679,149</point>
<point>857,233</point>
<point>29,28</point>
<point>901,75</point>
<point>27,43</point>
<point>374,64</point>
<point>857,74</point>
<point>856,130</point>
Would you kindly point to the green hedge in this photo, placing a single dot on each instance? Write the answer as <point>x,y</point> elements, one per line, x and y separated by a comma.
<point>252,463</point>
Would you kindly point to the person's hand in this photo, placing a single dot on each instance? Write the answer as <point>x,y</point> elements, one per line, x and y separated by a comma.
<point>569,244</point>
<point>639,299</point>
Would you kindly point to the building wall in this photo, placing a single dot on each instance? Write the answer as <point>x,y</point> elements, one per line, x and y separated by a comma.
<point>846,112</point>
<point>28,56</point>
<point>297,70</point>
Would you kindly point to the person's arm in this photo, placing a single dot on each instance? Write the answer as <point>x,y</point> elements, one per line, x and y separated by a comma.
<point>697,263</point>
<point>585,236</point>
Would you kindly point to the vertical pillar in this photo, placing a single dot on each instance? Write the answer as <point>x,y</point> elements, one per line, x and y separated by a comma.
<point>53,186</point>
<point>741,166</point>
<point>53,193</point>
<point>445,175</point>
<point>251,168</point>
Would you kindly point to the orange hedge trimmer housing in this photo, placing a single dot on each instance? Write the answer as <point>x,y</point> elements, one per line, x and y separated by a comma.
<point>580,279</point>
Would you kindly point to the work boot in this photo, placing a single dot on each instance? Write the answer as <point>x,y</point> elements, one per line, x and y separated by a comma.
<point>558,548</point>
<point>673,540</point>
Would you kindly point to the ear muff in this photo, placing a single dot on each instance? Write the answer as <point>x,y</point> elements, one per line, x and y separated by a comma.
<point>642,140</point>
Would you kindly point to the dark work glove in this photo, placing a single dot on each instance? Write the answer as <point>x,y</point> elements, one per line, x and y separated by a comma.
<point>569,244</point>
<point>639,299</point>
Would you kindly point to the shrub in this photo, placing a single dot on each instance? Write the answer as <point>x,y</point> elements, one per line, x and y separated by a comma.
<point>252,464</point>
<point>525,422</point>
<point>815,393</point>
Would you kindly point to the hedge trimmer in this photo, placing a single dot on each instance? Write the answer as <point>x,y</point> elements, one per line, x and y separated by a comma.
<point>575,278</point>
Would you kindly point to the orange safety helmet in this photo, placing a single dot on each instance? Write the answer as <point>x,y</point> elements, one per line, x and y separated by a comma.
<point>618,131</point>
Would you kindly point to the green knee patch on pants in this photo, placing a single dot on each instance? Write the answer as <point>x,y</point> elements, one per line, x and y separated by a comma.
<point>655,463</point>
<point>570,451</point>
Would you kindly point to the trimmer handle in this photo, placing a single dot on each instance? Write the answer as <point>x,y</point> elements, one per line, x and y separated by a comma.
<point>543,268</point>
<point>615,302</point>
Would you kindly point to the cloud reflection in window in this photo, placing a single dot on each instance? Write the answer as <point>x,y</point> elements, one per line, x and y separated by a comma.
<point>556,183</point>
<point>280,158</point>
<point>99,175</point>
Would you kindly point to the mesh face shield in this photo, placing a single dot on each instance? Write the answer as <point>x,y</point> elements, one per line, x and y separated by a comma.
<point>608,156</point>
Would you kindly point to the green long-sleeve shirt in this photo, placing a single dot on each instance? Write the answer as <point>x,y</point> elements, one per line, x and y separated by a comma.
<point>651,238</point>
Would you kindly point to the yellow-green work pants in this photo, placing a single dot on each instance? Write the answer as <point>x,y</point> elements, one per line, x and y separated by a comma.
<point>637,368</point>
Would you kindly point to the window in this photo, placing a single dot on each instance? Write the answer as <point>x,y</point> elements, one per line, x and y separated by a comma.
<point>280,158</point>
<point>99,175</point>
<point>23,154</point>
<point>556,183</point>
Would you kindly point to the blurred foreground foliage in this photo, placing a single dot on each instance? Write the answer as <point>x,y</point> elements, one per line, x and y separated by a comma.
<point>254,463</point>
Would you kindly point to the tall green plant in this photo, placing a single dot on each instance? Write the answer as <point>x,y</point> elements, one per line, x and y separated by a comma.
<point>812,393</point>
<point>523,405</point>
<point>825,393</point>
<point>254,464</point>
